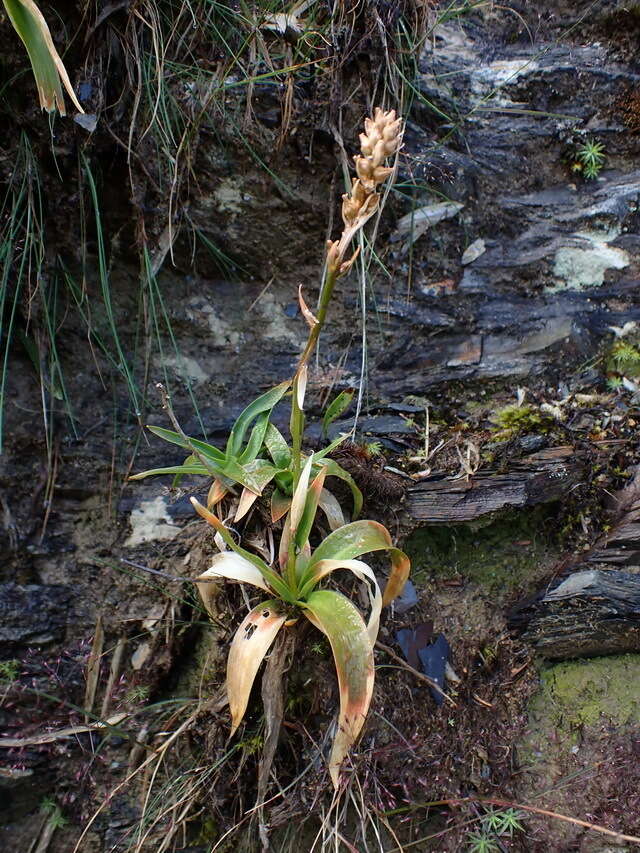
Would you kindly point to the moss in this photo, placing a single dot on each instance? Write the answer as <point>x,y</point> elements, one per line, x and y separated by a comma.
<point>623,359</point>
<point>580,692</point>
<point>515,419</point>
<point>576,697</point>
<point>501,555</point>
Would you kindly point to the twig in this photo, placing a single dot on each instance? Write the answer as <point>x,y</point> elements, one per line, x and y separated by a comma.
<point>416,673</point>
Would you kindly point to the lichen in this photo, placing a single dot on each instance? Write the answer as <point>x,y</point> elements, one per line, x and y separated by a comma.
<point>579,267</point>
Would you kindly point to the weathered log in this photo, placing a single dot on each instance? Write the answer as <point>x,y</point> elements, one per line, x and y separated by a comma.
<point>590,613</point>
<point>542,477</point>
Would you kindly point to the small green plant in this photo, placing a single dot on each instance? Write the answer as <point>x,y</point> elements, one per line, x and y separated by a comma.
<point>589,158</point>
<point>494,825</point>
<point>481,843</point>
<point>514,419</point>
<point>9,670</point>
<point>622,359</point>
<point>373,448</point>
<point>295,584</point>
<point>53,810</point>
<point>253,460</point>
<point>503,822</point>
<point>625,358</point>
<point>137,694</point>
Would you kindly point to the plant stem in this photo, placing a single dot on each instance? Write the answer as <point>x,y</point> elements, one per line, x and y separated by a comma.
<point>297,415</point>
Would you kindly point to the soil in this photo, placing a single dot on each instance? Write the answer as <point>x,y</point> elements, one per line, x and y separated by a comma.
<point>99,619</point>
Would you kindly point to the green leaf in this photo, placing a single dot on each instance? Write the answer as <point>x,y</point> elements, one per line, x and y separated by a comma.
<point>362,537</point>
<point>256,439</point>
<point>277,446</point>
<point>364,573</point>
<point>352,649</point>
<point>264,403</point>
<point>173,469</point>
<point>339,405</point>
<point>335,470</point>
<point>169,435</point>
<point>48,68</point>
<point>317,457</point>
<point>310,509</point>
<point>253,476</point>
<point>189,461</point>
<point>284,481</point>
<point>329,504</point>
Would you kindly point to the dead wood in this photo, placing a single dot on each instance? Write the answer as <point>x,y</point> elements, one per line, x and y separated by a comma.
<point>542,477</point>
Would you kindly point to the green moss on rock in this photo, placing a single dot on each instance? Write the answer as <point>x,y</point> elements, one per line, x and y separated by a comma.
<point>583,691</point>
<point>501,555</point>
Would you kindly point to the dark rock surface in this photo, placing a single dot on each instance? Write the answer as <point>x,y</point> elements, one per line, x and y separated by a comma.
<point>561,259</point>
<point>541,478</point>
<point>589,613</point>
<point>33,615</point>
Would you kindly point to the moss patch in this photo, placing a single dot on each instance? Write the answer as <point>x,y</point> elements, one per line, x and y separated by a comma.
<point>580,692</point>
<point>577,695</point>
<point>579,753</point>
<point>503,555</point>
<point>514,419</point>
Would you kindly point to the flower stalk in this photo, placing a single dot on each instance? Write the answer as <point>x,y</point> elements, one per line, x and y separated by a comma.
<point>381,139</point>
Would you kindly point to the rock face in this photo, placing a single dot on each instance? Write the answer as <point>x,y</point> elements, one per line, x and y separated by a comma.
<point>561,254</point>
<point>506,267</point>
<point>33,615</point>
<point>537,479</point>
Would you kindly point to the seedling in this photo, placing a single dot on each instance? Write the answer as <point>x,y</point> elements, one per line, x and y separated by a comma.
<point>589,159</point>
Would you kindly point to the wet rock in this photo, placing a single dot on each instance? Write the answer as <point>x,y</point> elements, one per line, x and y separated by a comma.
<point>561,259</point>
<point>33,615</point>
<point>407,599</point>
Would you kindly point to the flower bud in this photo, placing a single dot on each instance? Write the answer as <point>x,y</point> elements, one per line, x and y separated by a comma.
<point>380,174</point>
<point>333,255</point>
